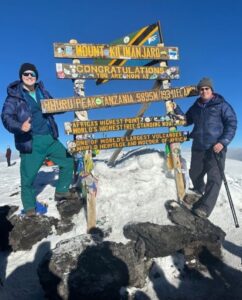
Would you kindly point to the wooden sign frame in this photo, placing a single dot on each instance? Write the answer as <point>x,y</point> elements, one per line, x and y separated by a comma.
<point>131,141</point>
<point>83,127</point>
<point>93,102</point>
<point>85,71</point>
<point>67,50</point>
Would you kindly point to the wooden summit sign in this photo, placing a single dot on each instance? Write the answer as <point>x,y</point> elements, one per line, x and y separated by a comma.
<point>81,127</point>
<point>67,50</point>
<point>128,141</point>
<point>92,102</point>
<point>76,71</point>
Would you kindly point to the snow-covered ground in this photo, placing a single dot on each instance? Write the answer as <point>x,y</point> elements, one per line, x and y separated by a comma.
<point>134,190</point>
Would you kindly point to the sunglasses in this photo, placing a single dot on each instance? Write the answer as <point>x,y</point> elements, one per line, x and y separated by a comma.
<point>204,89</point>
<point>26,74</point>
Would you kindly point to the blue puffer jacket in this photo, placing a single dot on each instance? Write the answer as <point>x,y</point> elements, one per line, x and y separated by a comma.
<point>16,111</point>
<point>214,122</point>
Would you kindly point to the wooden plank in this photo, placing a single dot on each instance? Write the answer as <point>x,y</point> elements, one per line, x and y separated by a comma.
<point>120,142</point>
<point>67,50</point>
<point>81,127</point>
<point>92,102</point>
<point>75,71</point>
<point>91,210</point>
<point>89,184</point>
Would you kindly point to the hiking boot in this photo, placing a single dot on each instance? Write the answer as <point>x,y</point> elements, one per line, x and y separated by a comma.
<point>31,212</point>
<point>200,212</point>
<point>64,196</point>
<point>192,196</point>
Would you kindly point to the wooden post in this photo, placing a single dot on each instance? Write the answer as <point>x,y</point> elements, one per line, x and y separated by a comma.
<point>91,202</point>
<point>88,182</point>
<point>173,161</point>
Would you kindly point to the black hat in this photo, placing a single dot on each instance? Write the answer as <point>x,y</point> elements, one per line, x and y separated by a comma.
<point>27,67</point>
<point>205,82</point>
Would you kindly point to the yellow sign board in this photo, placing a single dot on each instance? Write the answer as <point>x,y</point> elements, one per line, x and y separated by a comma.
<point>81,127</point>
<point>92,102</point>
<point>67,50</point>
<point>130,141</point>
<point>76,71</point>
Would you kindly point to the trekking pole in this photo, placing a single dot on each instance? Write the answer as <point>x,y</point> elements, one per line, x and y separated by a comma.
<point>218,159</point>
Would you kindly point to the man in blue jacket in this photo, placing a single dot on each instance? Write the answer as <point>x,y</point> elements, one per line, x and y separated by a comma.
<point>215,125</point>
<point>35,136</point>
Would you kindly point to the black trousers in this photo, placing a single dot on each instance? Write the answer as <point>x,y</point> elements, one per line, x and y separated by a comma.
<point>204,163</point>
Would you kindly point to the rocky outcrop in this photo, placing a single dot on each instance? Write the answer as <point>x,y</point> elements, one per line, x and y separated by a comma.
<point>29,230</point>
<point>87,268</point>
<point>67,209</point>
<point>6,226</point>
<point>24,231</point>
<point>160,240</point>
<point>190,234</point>
<point>206,237</point>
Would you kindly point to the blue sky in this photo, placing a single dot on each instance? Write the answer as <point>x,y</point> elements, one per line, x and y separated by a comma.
<point>208,34</point>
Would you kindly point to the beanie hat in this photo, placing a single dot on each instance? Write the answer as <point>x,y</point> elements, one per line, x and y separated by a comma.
<point>27,67</point>
<point>205,82</point>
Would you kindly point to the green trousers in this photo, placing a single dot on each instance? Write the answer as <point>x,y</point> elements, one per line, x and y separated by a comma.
<point>44,146</point>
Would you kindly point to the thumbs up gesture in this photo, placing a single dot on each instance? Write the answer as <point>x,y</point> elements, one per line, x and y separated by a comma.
<point>26,125</point>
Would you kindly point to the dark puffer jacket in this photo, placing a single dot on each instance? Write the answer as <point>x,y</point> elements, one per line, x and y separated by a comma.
<point>16,111</point>
<point>214,122</point>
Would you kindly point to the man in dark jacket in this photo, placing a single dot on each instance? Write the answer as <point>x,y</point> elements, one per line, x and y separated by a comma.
<point>215,125</point>
<point>35,135</point>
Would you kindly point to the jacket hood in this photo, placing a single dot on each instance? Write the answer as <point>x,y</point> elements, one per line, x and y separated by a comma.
<point>216,100</point>
<point>15,88</point>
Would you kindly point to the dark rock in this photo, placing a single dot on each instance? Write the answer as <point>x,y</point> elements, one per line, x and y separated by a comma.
<point>64,226</point>
<point>26,231</point>
<point>160,240</point>
<point>5,226</point>
<point>200,227</point>
<point>180,215</point>
<point>88,269</point>
<point>104,226</point>
<point>205,233</point>
<point>29,230</point>
<point>68,209</point>
<point>191,234</point>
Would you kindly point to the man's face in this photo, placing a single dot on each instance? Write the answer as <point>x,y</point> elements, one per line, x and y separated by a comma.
<point>206,93</point>
<point>29,78</point>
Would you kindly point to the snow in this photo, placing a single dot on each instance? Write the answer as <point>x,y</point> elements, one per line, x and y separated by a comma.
<point>135,190</point>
